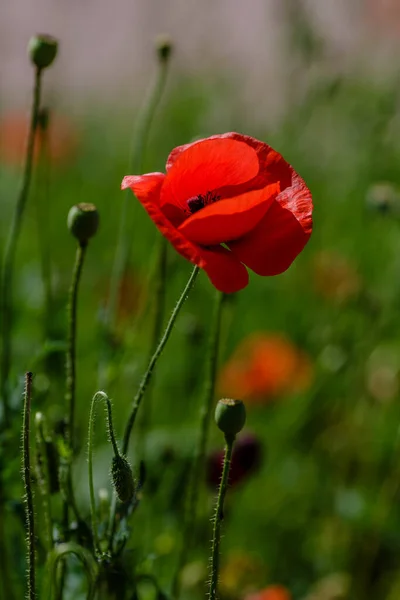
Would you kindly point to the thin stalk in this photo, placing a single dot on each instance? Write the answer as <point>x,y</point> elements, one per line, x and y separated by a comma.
<point>159,306</point>
<point>10,251</point>
<point>218,518</point>
<point>156,355</point>
<point>140,137</point>
<point>71,348</point>
<point>43,480</point>
<point>42,216</point>
<point>26,476</point>
<point>144,382</point>
<point>196,475</point>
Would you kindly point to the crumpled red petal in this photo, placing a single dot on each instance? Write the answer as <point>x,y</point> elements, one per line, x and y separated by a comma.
<point>271,247</point>
<point>147,188</point>
<point>229,219</point>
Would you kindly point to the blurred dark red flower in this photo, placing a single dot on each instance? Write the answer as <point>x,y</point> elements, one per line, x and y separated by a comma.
<point>229,201</point>
<point>273,592</point>
<point>246,459</point>
<point>58,143</point>
<point>265,366</point>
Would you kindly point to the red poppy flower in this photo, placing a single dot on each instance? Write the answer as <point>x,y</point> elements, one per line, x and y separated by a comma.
<point>229,201</point>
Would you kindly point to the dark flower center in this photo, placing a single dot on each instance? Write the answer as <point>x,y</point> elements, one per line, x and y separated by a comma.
<point>198,202</point>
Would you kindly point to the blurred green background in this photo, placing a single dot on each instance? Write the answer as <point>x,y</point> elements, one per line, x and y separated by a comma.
<point>321,514</point>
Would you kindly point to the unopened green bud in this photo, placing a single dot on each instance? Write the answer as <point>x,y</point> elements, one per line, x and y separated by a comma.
<point>83,221</point>
<point>164,47</point>
<point>230,416</point>
<point>42,50</point>
<point>122,478</point>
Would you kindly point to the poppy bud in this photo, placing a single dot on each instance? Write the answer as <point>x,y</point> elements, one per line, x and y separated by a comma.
<point>230,416</point>
<point>164,47</point>
<point>122,478</point>
<point>42,50</point>
<point>83,221</point>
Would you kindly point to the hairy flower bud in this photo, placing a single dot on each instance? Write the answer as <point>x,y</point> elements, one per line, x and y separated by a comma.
<point>230,416</point>
<point>42,50</point>
<point>122,478</point>
<point>83,221</point>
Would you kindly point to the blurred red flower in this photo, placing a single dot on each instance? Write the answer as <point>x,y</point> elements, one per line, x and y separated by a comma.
<point>58,142</point>
<point>273,592</point>
<point>263,367</point>
<point>246,459</point>
<point>233,190</point>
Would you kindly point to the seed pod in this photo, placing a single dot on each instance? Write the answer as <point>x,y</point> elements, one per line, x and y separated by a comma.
<point>122,478</point>
<point>230,416</point>
<point>42,50</point>
<point>83,221</point>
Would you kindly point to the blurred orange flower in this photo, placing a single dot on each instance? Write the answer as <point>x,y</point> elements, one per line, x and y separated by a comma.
<point>273,592</point>
<point>265,366</point>
<point>59,142</point>
<point>335,278</point>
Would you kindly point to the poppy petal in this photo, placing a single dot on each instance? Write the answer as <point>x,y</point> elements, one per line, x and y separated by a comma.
<point>208,165</point>
<point>271,247</point>
<point>225,271</point>
<point>229,219</point>
<point>146,188</point>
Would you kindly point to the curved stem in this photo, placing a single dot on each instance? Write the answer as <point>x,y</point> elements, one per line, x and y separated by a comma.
<point>110,428</point>
<point>143,384</point>
<point>71,348</point>
<point>9,254</point>
<point>218,518</point>
<point>156,355</point>
<point>26,474</point>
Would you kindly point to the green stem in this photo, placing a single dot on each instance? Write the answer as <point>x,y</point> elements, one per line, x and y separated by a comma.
<point>144,382</point>
<point>10,251</point>
<point>159,301</point>
<point>43,480</point>
<point>196,475</point>
<point>71,348</point>
<point>26,475</point>
<point>110,429</point>
<point>156,355</point>
<point>42,217</point>
<point>140,138</point>
<point>218,518</point>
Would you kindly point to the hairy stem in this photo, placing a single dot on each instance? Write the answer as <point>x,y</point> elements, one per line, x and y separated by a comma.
<point>71,347</point>
<point>145,380</point>
<point>26,475</point>
<point>110,429</point>
<point>218,518</point>
<point>196,475</point>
